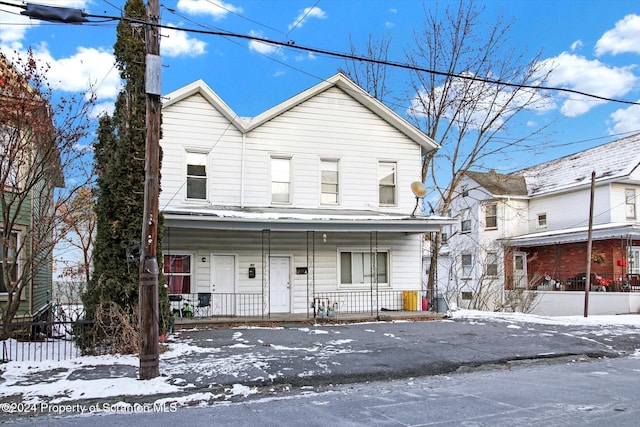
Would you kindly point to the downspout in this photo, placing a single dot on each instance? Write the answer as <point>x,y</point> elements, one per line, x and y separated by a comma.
<point>244,140</point>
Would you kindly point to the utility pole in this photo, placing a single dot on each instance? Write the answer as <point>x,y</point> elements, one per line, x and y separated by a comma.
<point>148,290</point>
<point>587,281</point>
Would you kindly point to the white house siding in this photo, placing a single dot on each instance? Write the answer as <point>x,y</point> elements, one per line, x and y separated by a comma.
<point>193,124</point>
<point>569,210</point>
<point>334,126</point>
<point>404,270</point>
<point>618,202</point>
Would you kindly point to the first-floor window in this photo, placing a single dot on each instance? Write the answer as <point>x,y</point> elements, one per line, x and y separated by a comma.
<point>466,262</point>
<point>177,271</point>
<point>11,258</point>
<point>491,266</point>
<point>356,268</point>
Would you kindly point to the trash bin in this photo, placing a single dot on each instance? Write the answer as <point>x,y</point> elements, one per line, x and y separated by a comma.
<point>441,305</point>
<point>410,300</point>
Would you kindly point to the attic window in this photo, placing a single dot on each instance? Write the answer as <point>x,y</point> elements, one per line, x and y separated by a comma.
<point>464,192</point>
<point>542,220</point>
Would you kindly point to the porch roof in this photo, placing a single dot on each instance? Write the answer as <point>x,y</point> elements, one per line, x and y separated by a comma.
<point>577,234</point>
<point>292,219</point>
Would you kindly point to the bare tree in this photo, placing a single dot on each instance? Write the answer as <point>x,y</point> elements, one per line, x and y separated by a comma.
<point>371,76</point>
<point>39,152</point>
<point>461,107</point>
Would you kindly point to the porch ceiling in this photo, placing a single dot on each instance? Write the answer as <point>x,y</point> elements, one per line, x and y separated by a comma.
<point>573,235</point>
<point>254,219</point>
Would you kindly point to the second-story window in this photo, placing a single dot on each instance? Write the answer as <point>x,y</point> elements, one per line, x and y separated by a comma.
<point>466,261</point>
<point>491,266</point>
<point>280,180</point>
<point>329,182</point>
<point>196,176</point>
<point>387,183</point>
<point>465,221</point>
<point>491,215</point>
<point>630,203</point>
<point>542,220</point>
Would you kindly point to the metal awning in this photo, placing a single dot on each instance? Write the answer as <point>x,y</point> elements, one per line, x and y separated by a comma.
<point>574,235</point>
<point>254,219</point>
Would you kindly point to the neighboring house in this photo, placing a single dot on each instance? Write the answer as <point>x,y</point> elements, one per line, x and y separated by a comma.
<point>529,229</point>
<point>306,205</point>
<point>27,183</point>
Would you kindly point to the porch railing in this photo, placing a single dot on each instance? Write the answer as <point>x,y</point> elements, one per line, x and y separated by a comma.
<point>204,304</point>
<point>368,302</point>
<point>606,282</point>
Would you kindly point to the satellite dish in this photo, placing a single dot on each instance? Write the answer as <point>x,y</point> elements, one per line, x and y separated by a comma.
<point>418,189</point>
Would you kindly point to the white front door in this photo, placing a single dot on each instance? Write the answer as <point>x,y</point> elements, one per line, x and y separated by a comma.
<point>520,270</point>
<point>223,285</point>
<point>279,283</point>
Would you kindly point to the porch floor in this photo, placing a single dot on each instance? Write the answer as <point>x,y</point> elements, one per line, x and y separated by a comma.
<point>284,318</point>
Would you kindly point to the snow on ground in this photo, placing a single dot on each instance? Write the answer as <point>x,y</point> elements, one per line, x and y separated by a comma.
<point>70,380</point>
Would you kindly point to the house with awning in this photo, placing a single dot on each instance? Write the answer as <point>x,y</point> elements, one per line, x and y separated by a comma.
<point>306,207</point>
<point>529,230</point>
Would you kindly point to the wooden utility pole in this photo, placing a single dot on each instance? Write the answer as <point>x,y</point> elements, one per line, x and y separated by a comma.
<point>148,293</point>
<point>587,281</point>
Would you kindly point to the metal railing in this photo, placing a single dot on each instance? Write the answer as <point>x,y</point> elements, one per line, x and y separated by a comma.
<point>605,282</point>
<point>204,304</point>
<point>368,302</point>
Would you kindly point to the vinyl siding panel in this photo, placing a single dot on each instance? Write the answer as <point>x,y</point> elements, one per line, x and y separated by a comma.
<point>404,270</point>
<point>194,124</point>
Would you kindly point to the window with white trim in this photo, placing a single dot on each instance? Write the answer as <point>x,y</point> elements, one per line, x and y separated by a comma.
<point>177,271</point>
<point>466,261</point>
<point>280,180</point>
<point>491,265</point>
<point>196,176</point>
<point>13,155</point>
<point>329,182</point>
<point>387,183</point>
<point>491,216</point>
<point>356,268</point>
<point>630,203</point>
<point>465,221</point>
<point>542,220</point>
<point>12,259</point>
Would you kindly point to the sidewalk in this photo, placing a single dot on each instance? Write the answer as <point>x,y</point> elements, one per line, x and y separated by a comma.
<point>275,358</point>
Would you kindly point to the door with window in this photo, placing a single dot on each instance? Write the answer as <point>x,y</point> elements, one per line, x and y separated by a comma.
<point>520,270</point>
<point>279,285</point>
<point>223,285</point>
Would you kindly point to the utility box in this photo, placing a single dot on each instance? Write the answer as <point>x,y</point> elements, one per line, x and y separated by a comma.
<point>410,300</point>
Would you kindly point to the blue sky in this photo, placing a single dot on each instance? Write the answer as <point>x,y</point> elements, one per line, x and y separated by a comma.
<point>594,46</point>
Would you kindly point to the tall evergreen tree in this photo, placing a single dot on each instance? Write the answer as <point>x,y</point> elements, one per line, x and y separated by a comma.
<point>119,165</point>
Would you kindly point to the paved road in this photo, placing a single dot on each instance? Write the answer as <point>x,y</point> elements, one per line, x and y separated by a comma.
<point>566,394</point>
<point>315,365</point>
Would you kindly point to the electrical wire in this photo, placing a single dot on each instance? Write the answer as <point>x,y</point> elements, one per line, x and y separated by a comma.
<point>292,45</point>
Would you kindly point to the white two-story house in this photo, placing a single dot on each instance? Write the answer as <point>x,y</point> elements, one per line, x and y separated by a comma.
<point>529,229</point>
<point>306,204</point>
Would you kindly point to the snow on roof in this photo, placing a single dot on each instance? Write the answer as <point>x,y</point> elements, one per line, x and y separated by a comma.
<point>616,159</point>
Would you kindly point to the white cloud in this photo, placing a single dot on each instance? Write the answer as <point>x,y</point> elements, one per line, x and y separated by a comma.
<point>626,120</point>
<point>472,103</point>
<point>576,45</point>
<point>589,76</point>
<point>261,47</point>
<point>309,12</point>
<point>178,43</point>
<point>218,9</point>
<point>87,68</point>
<point>13,27</point>
<point>625,37</point>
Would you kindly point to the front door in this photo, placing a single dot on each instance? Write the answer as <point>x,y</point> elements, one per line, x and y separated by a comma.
<point>223,285</point>
<point>520,270</point>
<point>279,285</point>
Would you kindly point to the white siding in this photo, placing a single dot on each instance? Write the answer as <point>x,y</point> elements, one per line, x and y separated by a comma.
<point>194,124</point>
<point>404,271</point>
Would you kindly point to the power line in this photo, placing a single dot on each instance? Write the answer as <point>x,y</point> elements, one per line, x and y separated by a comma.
<point>292,45</point>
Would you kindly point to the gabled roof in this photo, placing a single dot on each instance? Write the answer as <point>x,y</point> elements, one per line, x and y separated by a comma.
<point>613,161</point>
<point>499,184</point>
<point>339,80</point>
